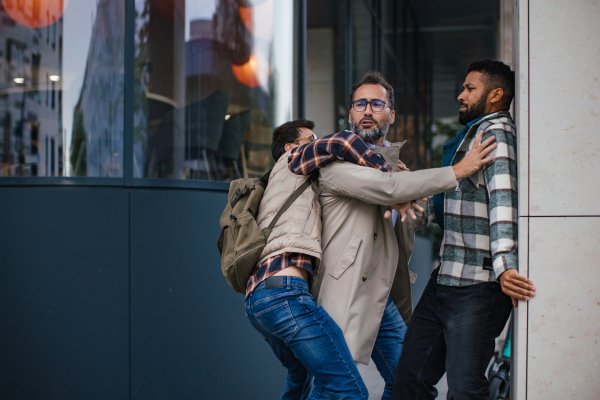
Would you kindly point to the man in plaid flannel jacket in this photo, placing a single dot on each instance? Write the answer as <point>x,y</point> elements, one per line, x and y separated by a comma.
<point>468,299</point>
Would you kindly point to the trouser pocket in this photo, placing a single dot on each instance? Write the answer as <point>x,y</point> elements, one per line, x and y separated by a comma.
<point>278,320</point>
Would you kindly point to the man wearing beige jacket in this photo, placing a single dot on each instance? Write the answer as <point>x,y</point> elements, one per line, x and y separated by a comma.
<point>363,280</point>
<point>278,302</point>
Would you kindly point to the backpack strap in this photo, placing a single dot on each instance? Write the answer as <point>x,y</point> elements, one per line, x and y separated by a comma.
<point>314,177</point>
<point>309,182</point>
<point>264,180</point>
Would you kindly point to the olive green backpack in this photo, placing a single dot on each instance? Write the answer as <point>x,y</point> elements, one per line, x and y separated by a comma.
<point>241,241</point>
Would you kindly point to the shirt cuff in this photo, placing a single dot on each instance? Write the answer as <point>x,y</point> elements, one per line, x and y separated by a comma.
<point>503,263</point>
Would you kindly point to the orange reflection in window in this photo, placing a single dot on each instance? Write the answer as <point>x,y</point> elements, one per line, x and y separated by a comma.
<point>252,73</point>
<point>246,16</point>
<point>258,19</point>
<point>35,13</point>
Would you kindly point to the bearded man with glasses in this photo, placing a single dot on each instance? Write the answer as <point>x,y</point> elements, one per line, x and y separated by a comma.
<point>363,280</point>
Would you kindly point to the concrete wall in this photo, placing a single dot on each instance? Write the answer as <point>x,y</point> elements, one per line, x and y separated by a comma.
<point>557,60</point>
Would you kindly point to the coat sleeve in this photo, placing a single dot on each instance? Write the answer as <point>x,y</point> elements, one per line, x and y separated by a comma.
<point>501,183</point>
<point>376,187</point>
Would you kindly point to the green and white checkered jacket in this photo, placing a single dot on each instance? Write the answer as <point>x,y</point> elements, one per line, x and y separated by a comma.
<point>480,216</point>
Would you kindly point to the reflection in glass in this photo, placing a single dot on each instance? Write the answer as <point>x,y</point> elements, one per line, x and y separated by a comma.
<point>363,41</point>
<point>61,87</point>
<point>212,80</point>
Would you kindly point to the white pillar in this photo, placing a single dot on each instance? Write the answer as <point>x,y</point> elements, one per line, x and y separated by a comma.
<point>556,351</point>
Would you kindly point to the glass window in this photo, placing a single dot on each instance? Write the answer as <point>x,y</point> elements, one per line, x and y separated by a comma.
<point>77,130</point>
<point>213,77</point>
<point>363,40</point>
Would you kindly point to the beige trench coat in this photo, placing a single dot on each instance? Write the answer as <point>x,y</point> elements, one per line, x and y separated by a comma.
<point>360,248</point>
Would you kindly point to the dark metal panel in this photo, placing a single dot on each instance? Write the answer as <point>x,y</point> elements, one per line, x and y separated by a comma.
<point>64,293</point>
<point>181,184</point>
<point>114,182</point>
<point>189,335</point>
<point>59,181</point>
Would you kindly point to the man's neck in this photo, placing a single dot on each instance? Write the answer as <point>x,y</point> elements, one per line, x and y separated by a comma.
<point>379,142</point>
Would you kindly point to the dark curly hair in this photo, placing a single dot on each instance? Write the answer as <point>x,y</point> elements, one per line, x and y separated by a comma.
<point>374,78</point>
<point>287,133</point>
<point>496,74</point>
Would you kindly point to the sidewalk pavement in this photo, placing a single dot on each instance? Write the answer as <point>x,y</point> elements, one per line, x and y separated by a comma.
<point>374,382</point>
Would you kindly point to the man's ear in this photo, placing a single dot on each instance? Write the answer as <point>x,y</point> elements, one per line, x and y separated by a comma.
<point>496,95</point>
<point>288,147</point>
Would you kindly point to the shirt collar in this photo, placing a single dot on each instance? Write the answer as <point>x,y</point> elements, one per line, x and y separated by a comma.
<point>464,131</point>
<point>471,123</point>
<point>385,144</point>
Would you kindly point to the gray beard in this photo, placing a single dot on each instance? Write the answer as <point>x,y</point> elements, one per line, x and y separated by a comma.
<point>370,135</point>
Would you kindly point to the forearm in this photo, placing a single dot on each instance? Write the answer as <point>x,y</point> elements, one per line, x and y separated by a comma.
<point>375,187</point>
<point>503,229</point>
<point>501,185</point>
<point>342,146</point>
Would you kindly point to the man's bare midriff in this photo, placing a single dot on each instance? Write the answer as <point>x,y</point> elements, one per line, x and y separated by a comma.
<point>293,271</point>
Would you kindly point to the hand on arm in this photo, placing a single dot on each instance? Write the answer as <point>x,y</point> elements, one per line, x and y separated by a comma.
<point>516,286</point>
<point>402,167</point>
<point>475,158</point>
<point>404,208</point>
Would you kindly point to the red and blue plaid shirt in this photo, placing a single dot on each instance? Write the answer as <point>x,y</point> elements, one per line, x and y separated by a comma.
<point>341,146</point>
<point>273,265</point>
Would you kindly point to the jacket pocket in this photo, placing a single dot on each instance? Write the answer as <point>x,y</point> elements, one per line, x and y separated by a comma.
<point>347,258</point>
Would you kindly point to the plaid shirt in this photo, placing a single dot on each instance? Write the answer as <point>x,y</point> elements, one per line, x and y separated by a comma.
<point>274,264</point>
<point>341,146</point>
<point>480,217</point>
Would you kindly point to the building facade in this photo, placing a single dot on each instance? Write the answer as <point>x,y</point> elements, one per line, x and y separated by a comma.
<point>124,120</point>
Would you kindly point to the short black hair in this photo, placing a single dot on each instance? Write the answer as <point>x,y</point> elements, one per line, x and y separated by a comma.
<point>374,78</point>
<point>287,133</point>
<point>496,74</point>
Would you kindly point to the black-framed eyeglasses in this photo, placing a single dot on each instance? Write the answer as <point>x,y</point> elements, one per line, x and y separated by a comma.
<point>377,105</point>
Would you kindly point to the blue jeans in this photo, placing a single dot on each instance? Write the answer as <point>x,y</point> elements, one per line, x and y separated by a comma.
<point>452,330</point>
<point>388,346</point>
<point>306,341</point>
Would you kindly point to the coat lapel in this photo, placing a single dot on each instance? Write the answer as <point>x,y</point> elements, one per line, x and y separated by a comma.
<point>391,154</point>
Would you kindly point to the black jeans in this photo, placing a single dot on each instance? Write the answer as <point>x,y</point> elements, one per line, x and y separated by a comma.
<point>452,330</point>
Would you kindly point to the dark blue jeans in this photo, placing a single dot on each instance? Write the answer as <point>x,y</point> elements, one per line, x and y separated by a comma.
<point>452,330</point>
<point>388,346</point>
<point>306,341</point>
